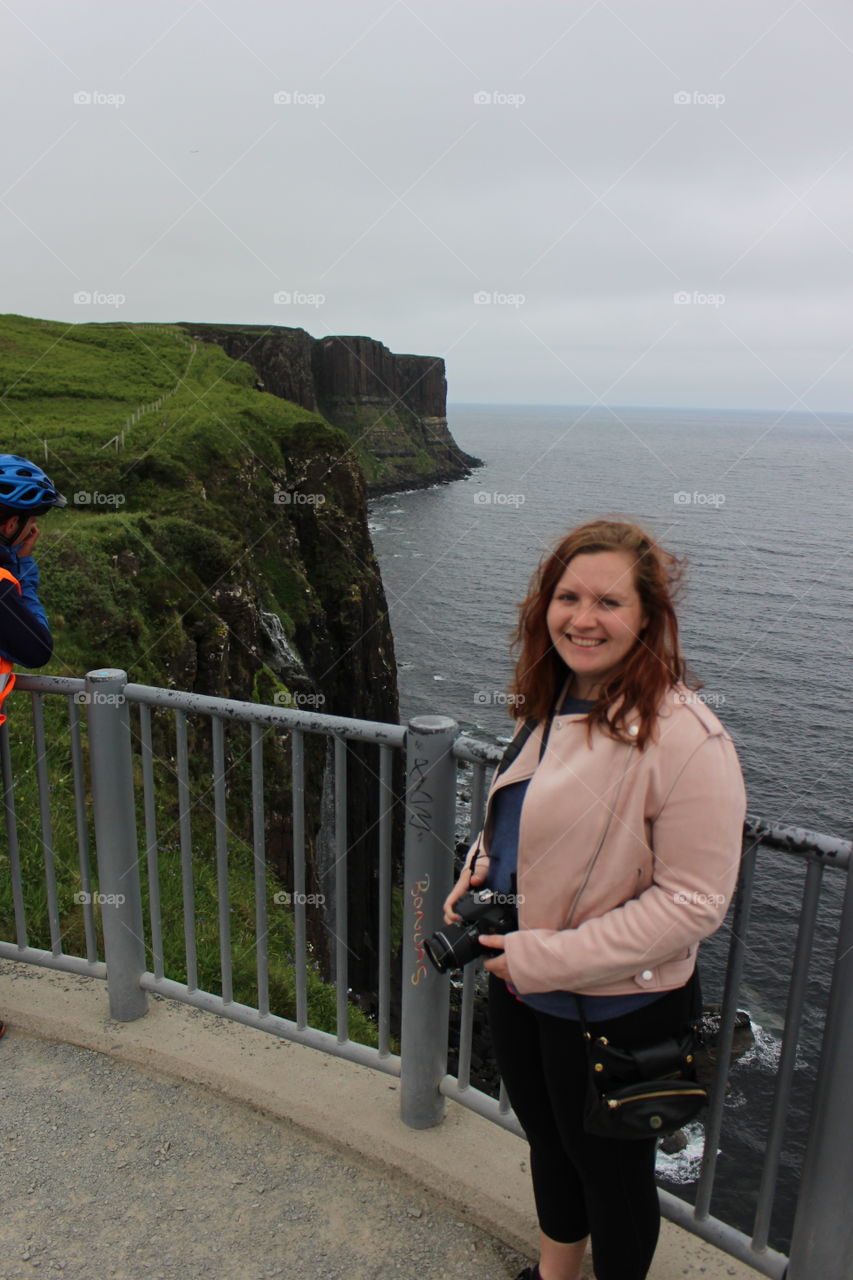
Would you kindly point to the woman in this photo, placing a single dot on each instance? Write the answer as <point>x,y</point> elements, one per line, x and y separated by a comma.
<point>619,826</point>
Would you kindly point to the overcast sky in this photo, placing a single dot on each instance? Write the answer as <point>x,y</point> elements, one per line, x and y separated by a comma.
<point>634,202</point>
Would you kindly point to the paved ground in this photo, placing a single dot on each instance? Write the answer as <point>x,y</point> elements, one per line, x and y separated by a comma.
<point>186,1145</point>
<point>111,1172</point>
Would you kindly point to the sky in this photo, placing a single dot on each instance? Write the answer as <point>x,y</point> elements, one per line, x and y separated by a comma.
<point>572,203</point>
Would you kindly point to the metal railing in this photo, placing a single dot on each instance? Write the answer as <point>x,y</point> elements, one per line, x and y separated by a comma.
<point>120,780</point>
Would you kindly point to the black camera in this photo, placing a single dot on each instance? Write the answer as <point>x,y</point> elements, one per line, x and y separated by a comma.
<point>456,945</point>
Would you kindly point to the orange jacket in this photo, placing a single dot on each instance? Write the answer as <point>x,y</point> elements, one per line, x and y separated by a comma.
<point>7,675</point>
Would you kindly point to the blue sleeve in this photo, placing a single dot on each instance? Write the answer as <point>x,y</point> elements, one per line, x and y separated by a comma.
<point>24,638</point>
<point>27,573</point>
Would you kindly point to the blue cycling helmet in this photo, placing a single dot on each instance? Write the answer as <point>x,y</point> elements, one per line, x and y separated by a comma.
<point>24,487</point>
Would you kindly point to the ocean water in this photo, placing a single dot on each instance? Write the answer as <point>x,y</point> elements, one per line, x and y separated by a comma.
<point>759,504</point>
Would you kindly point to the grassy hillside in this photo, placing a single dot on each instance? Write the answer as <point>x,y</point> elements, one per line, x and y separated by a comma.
<point>69,393</point>
<point>196,506</point>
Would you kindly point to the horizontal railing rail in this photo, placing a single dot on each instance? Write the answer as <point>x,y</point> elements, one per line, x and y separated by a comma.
<point>128,745</point>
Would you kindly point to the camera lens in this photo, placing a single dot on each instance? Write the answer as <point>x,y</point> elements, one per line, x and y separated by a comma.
<point>454,948</point>
<point>439,948</point>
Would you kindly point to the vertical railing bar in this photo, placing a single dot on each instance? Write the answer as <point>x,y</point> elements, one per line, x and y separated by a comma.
<point>787,1057</point>
<point>822,1232</point>
<point>12,838</point>
<point>46,825</point>
<point>466,1013</point>
<point>185,824</point>
<point>79,786</point>
<point>466,1025</point>
<point>300,959</point>
<point>478,799</point>
<point>430,818</point>
<point>299,898</point>
<point>386,801</point>
<point>222,892</point>
<point>734,974</point>
<point>116,841</point>
<point>341,966</point>
<point>260,858</point>
<point>151,850</point>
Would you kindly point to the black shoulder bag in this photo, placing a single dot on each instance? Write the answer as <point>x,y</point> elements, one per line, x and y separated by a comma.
<point>647,1092</point>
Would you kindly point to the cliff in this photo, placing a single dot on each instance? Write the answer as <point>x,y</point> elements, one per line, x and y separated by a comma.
<point>216,540</point>
<point>392,407</point>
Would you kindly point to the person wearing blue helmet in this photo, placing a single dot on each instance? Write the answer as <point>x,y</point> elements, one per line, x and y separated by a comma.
<point>25,494</point>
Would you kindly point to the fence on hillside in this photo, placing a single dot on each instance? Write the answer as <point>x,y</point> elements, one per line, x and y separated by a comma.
<point>111,779</point>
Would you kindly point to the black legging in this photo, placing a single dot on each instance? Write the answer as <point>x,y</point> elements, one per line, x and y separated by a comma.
<point>583,1185</point>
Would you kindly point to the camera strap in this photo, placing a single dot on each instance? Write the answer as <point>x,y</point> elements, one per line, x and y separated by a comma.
<point>514,749</point>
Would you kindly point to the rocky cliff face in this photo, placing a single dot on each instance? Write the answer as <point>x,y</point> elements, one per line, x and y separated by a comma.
<point>393,407</point>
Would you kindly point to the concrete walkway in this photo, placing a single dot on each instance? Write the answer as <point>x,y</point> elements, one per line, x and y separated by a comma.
<point>186,1145</point>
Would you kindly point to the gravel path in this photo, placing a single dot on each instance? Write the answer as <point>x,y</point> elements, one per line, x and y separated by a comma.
<point>112,1173</point>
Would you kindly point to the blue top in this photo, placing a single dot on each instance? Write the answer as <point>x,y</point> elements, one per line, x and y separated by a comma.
<point>503,860</point>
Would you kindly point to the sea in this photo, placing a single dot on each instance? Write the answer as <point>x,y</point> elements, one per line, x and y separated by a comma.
<point>758,505</point>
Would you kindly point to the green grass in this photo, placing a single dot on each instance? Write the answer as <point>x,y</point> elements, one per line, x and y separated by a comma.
<point>141,581</point>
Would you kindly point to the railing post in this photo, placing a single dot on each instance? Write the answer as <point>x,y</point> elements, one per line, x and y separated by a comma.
<point>427,878</point>
<point>116,843</point>
<point>822,1239</point>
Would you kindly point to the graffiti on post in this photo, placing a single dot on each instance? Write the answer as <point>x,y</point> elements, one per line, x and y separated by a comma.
<point>420,800</point>
<point>420,888</point>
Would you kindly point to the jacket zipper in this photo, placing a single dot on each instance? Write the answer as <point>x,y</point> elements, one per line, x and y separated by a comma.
<point>594,858</point>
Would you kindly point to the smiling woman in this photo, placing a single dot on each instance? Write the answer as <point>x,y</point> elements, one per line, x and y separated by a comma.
<point>617,829</point>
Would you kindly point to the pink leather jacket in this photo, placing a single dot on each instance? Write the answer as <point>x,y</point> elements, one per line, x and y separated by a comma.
<point>626,858</point>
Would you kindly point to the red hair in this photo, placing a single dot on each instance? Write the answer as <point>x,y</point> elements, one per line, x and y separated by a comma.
<point>652,666</point>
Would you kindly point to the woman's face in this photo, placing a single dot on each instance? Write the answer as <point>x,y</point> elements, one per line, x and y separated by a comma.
<point>595,616</point>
